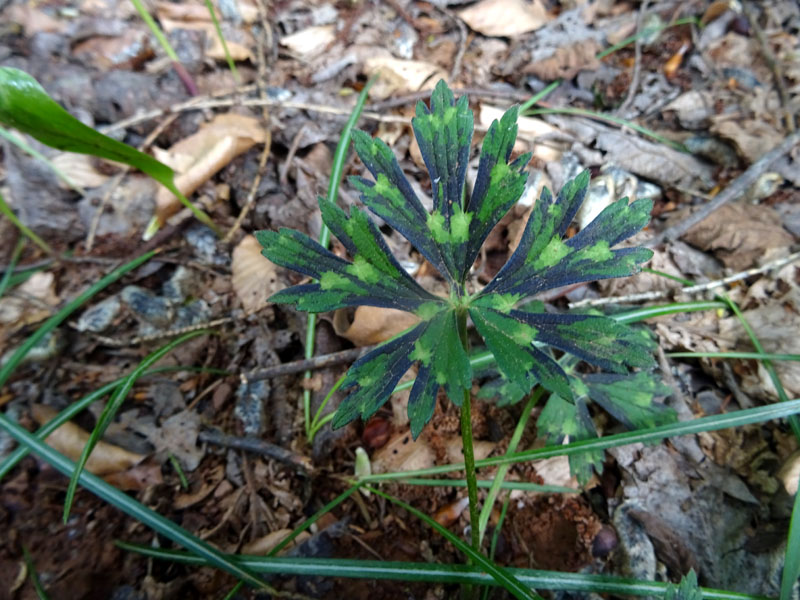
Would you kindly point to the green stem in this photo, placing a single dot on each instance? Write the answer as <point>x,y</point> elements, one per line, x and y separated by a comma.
<point>466,440</point>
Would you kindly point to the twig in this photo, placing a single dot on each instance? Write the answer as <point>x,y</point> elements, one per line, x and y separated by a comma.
<point>637,64</point>
<point>772,63</point>
<point>462,41</point>
<point>256,446</point>
<point>283,176</point>
<point>298,366</point>
<point>735,189</point>
<point>695,289</point>
<point>143,339</point>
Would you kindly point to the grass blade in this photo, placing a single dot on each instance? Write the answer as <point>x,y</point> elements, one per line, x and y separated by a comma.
<point>523,486</point>
<point>28,149</point>
<point>218,29</point>
<point>5,282</point>
<point>337,170</point>
<point>500,574</point>
<point>129,506</point>
<point>6,210</point>
<point>435,572</point>
<point>50,324</point>
<point>35,581</point>
<point>739,418</point>
<point>113,405</point>
<point>740,355</point>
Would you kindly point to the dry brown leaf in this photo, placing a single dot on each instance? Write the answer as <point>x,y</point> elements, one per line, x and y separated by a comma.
<point>30,301</point>
<point>739,234</point>
<point>263,545</point>
<point>530,129</point>
<point>310,42</point>
<point>752,138</point>
<point>198,11</point>
<point>137,478</point>
<point>178,436</point>
<point>32,19</point>
<point>399,76</point>
<point>212,479</point>
<point>200,156</point>
<point>253,275</point>
<point>127,51</point>
<point>555,471</point>
<point>402,453</point>
<point>371,324</point>
<point>505,18</point>
<point>789,473</point>
<point>455,450</point>
<point>567,61</point>
<point>69,439</point>
<point>81,170</point>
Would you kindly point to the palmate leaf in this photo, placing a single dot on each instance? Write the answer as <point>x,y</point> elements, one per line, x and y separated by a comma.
<point>450,238</point>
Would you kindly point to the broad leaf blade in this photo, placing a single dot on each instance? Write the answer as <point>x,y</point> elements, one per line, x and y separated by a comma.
<point>444,134</point>
<point>443,363</point>
<point>391,198</point>
<point>498,185</point>
<point>370,280</point>
<point>511,342</point>
<point>543,260</point>
<point>629,398</point>
<point>561,419</point>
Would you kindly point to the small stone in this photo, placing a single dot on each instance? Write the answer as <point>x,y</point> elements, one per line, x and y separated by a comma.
<point>100,316</point>
<point>146,306</point>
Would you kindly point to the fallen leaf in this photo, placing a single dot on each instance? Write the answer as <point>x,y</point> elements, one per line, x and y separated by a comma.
<point>69,439</point>
<point>81,169</point>
<point>693,108</point>
<point>567,61</point>
<point>752,138</point>
<point>198,11</point>
<point>178,436</point>
<point>739,234</point>
<point>555,471</point>
<point>212,479</point>
<point>139,477</point>
<point>310,42</point>
<point>127,51</point>
<point>402,453</point>
<point>33,20</point>
<point>30,301</point>
<point>789,473</point>
<point>455,450</point>
<point>253,275</point>
<point>200,156</point>
<point>505,18</point>
<point>371,324</point>
<point>263,545</point>
<point>399,76</point>
<point>449,514</point>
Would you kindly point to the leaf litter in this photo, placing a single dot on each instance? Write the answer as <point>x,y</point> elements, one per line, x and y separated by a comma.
<point>722,90</point>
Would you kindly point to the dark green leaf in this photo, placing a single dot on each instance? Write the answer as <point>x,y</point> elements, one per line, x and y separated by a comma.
<point>629,398</point>
<point>543,260</point>
<point>561,419</point>
<point>686,590</point>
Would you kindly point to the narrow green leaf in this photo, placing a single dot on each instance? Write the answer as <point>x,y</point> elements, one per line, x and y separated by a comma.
<point>130,506</point>
<point>113,405</point>
<point>5,280</point>
<point>37,583</point>
<point>25,105</point>
<point>13,362</point>
<point>6,210</point>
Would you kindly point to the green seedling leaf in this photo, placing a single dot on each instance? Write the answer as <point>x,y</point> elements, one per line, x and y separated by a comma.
<point>450,238</point>
<point>26,106</point>
<point>687,589</point>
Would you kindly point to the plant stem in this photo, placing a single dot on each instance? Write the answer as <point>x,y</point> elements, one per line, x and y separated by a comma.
<point>466,440</point>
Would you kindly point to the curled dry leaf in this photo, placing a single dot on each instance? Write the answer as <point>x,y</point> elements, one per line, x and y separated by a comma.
<point>200,156</point>
<point>398,76</point>
<point>505,18</point>
<point>211,481</point>
<point>789,473</point>
<point>567,61</point>
<point>253,277</point>
<point>81,170</point>
<point>30,302</point>
<point>371,325</point>
<point>310,42</point>
<point>197,11</point>
<point>263,545</point>
<point>401,453</point>
<point>449,514</point>
<point>69,439</point>
<point>739,234</point>
<point>752,138</point>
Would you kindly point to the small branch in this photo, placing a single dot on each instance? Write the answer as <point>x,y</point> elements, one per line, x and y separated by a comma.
<point>637,63</point>
<point>255,446</point>
<point>738,187</point>
<point>310,364</point>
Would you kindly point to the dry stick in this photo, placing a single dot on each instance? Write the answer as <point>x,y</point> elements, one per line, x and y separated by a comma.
<point>298,366</point>
<point>142,339</point>
<point>637,63</point>
<point>462,41</point>
<point>735,189</point>
<point>695,289</point>
<point>772,63</point>
<point>257,446</point>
